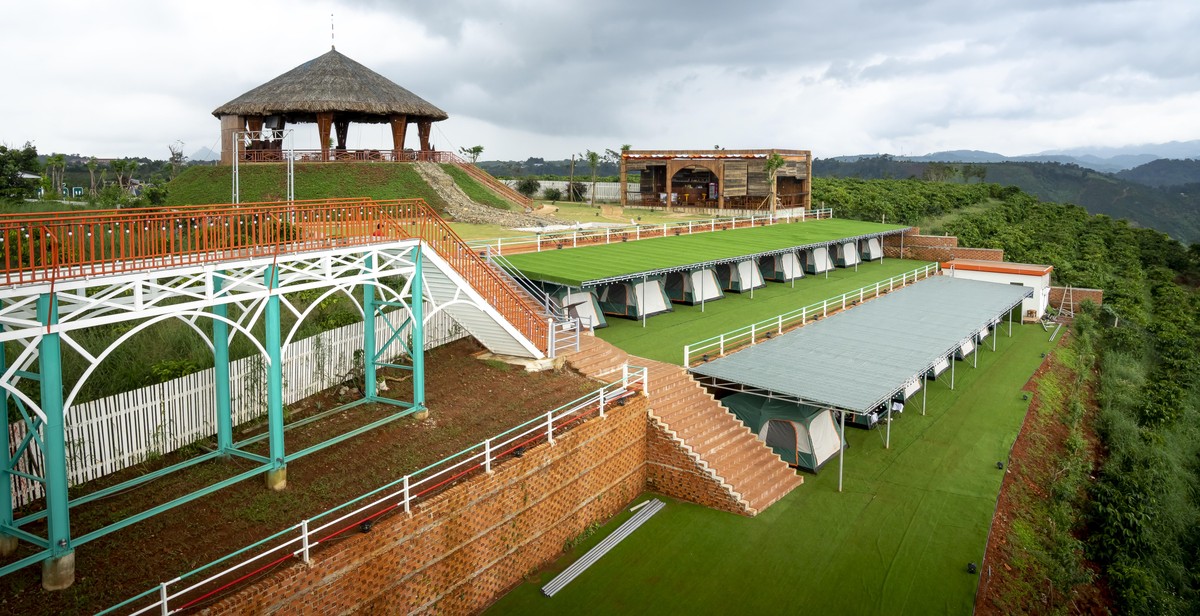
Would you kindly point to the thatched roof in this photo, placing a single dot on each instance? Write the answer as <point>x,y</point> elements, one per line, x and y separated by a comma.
<point>331,82</point>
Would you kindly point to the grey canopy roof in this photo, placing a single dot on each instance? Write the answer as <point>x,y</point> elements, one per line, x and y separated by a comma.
<point>332,83</point>
<point>858,359</point>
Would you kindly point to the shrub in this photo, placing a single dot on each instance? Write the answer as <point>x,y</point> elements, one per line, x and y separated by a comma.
<point>528,187</point>
<point>552,194</point>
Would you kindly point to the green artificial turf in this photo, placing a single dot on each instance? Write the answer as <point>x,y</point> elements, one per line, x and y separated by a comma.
<point>896,541</point>
<point>578,265</point>
<point>665,334</point>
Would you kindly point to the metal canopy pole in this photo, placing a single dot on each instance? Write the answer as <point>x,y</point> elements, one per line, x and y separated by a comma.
<point>975,352</point>
<point>887,444</point>
<point>994,334</point>
<point>842,451</point>
<point>953,360</point>
<point>702,289</point>
<point>642,306</point>
<point>924,386</point>
<point>1010,322</point>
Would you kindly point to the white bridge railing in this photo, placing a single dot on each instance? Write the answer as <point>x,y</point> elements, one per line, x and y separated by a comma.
<point>299,540</point>
<point>711,348</point>
<point>571,238</point>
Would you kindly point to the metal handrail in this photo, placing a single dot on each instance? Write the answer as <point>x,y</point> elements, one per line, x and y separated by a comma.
<point>401,494</point>
<point>722,344</point>
<point>110,242</point>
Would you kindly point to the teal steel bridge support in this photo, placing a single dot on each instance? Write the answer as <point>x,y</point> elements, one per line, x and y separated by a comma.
<point>259,287</point>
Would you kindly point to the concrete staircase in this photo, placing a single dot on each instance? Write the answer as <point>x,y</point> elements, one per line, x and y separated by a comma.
<point>711,436</point>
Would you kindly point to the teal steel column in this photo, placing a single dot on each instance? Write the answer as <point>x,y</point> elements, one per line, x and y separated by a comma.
<point>224,405</point>
<point>274,371</point>
<point>54,430</point>
<point>6,504</point>
<point>369,385</point>
<point>417,309</point>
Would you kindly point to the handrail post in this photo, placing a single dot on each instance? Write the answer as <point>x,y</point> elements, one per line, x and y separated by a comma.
<point>162,598</point>
<point>625,374</point>
<point>550,428</point>
<point>602,403</point>
<point>407,499</point>
<point>780,324</point>
<point>824,308</point>
<point>687,355</point>
<point>722,344</point>
<point>752,332</point>
<point>304,540</point>
<point>487,456</point>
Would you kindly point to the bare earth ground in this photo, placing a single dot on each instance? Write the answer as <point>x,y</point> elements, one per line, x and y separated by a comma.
<point>470,401</point>
<point>1004,584</point>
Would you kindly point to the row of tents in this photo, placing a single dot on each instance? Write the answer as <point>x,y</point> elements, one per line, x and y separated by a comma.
<point>651,295</point>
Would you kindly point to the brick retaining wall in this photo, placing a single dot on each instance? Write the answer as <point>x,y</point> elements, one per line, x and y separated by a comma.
<point>1078,296</point>
<point>464,548</point>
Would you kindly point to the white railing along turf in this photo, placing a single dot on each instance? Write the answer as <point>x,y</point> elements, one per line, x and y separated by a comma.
<point>298,540</point>
<point>614,235</point>
<point>717,346</point>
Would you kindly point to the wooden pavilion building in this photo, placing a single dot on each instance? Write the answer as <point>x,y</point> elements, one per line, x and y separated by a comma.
<point>715,179</point>
<point>331,91</point>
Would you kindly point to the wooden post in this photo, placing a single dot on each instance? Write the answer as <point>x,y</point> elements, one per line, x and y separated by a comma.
<point>721,185</point>
<point>399,128</point>
<point>324,122</point>
<point>341,127</point>
<point>423,127</point>
<point>623,181</point>
<point>230,124</point>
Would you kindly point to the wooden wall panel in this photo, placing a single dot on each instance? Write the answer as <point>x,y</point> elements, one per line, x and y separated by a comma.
<point>735,178</point>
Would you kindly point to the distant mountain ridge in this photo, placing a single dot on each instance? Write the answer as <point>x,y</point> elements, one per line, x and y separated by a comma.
<point>1105,159</point>
<point>1173,209</point>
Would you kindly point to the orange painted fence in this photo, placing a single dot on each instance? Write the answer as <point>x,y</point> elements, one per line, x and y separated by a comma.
<point>79,244</point>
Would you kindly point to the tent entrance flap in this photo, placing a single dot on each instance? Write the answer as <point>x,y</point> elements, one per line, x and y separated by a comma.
<point>816,260</point>
<point>870,249</point>
<point>802,435</point>
<point>635,299</point>
<point>579,303</point>
<point>739,276</point>
<point>845,254</point>
<point>782,267</point>
<point>693,287</point>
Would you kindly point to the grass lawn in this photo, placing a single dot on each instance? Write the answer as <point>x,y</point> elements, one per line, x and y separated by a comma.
<point>665,335</point>
<point>897,541</point>
<point>578,265</point>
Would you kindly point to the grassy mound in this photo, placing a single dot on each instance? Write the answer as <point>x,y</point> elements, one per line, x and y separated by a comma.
<point>476,191</point>
<point>267,182</point>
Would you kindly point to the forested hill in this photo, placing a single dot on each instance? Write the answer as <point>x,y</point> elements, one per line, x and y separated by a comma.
<point>1164,172</point>
<point>1128,520</point>
<point>1170,210</point>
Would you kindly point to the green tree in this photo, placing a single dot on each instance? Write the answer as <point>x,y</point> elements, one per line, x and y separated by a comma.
<point>91,167</point>
<point>13,163</point>
<point>593,161</point>
<point>773,163</point>
<point>472,153</point>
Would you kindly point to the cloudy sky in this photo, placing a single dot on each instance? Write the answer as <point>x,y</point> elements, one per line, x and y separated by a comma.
<point>554,77</point>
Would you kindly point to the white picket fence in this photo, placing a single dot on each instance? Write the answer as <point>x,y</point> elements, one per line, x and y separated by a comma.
<point>110,434</point>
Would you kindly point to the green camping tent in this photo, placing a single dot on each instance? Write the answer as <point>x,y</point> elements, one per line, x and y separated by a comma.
<point>635,298</point>
<point>693,287</point>
<point>804,436</point>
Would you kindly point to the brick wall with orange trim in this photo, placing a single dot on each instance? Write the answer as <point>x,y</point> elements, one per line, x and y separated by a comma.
<point>935,248</point>
<point>671,471</point>
<point>462,549</point>
<point>1078,296</point>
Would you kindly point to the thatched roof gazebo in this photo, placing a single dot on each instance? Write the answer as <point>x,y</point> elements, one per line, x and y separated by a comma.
<point>330,90</point>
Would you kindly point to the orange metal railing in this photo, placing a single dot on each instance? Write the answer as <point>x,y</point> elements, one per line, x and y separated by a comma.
<point>109,242</point>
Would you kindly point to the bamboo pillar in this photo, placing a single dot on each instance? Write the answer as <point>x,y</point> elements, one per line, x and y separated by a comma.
<point>324,121</point>
<point>399,128</point>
